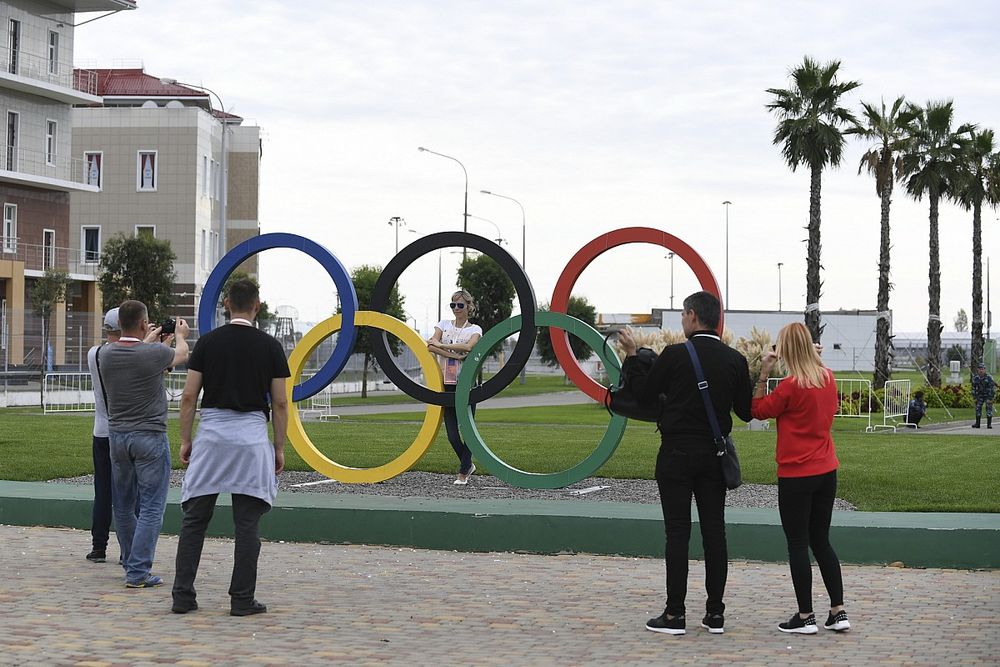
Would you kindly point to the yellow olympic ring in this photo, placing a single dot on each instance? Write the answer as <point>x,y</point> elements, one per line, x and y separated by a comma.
<point>432,420</point>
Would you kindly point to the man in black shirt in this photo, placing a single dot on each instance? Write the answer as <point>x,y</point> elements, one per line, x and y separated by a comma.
<point>240,368</point>
<point>687,463</point>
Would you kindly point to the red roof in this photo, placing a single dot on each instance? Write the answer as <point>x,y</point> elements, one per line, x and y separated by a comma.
<point>136,83</point>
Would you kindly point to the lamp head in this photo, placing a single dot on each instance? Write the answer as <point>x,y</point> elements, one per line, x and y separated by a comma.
<point>421,149</point>
<point>486,192</point>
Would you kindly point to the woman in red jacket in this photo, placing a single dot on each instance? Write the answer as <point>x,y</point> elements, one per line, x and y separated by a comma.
<point>804,404</point>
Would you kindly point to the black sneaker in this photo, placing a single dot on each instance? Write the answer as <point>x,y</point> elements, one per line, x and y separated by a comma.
<point>668,626</point>
<point>254,608</point>
<point>837,622</point>
<point>183,607</point>
<point>714,623</point>
<point>97,556</point>
<point>799,625</point>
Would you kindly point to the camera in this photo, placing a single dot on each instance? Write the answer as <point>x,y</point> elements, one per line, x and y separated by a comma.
<point>168,327</point>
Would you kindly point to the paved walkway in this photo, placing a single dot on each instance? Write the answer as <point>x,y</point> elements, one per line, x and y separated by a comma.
<point>362,605</point>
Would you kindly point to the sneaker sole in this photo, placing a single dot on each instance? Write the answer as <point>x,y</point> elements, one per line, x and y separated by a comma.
<point>714,631</point>
<point>842,626</point>
<point>807,630</point>
<point>667,631</point>
<point>97,560</point>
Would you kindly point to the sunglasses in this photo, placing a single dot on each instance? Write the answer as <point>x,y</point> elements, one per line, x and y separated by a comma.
<point>454,305</point>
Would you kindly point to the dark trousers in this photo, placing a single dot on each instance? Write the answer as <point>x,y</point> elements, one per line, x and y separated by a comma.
<point>455,438</point>
<point>682,471</point>
<point>100,518</point>
<point>806,507</point>
<point>198,511</point>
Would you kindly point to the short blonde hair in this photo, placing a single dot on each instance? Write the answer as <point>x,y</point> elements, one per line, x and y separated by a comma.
<point>467,298</point>
<point>799,356</point>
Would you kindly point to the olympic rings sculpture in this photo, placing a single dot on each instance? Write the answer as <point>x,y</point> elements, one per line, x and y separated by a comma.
<point>433,394</point>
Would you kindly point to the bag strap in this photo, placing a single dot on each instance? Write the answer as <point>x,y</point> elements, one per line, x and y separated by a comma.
<point>104,392</point>
<point>713,421</point>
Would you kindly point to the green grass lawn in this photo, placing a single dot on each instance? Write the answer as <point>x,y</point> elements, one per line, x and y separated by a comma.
<point>879,472</point>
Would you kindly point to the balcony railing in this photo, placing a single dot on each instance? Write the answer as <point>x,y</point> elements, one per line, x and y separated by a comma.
<point>38,163</point>
<point>41,68</point>
<point>41,257</point>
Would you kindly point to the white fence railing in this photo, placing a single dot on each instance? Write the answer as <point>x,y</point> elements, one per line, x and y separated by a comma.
<point>895,405</point>
<point>848,405</point>
<point>74,392</point>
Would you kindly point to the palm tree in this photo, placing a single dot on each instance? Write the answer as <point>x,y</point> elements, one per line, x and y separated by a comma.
<point>889,134</point>
<point>932,167</point>
<point>979,182</point>
<point>810,118</point>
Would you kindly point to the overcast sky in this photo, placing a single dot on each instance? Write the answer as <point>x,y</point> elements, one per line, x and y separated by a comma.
<point>594,115</point>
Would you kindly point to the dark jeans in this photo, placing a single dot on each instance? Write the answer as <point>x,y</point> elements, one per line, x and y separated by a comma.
<point>683,470</point>
<point>806,506</point>
<point>100,518</point>
<point>913,417</point>
<point>247,511</point>
<point>455,438</point>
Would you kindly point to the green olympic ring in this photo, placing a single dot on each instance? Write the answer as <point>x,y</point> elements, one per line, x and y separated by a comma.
<point>467,424</point>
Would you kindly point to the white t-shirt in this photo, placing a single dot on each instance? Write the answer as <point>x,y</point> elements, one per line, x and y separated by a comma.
<point>452,335</point>
<point>100,411</point>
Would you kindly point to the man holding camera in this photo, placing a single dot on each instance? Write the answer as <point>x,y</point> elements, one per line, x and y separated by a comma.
<point>687,464</point>
<point>131,372</point>
<point>242,371</point>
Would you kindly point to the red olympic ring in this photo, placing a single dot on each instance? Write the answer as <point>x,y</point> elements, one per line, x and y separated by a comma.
<point>582,259</point>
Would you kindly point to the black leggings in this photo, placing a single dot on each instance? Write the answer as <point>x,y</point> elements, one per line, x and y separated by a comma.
<point>806,506</point>
<point>462,450</point>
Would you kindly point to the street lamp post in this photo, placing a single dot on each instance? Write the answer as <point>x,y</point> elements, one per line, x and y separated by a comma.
<point>499,239</point>
<point>465,214</point>
<point>670,256</point>
<point>524,233</point>
<point>779,286</point>
<point>397,221</point>
<point>223,189</point>
<point>727,204</point>
<point>413,231</point>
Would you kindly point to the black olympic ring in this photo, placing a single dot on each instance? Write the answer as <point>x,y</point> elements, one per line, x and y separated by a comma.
<point>525,296</point>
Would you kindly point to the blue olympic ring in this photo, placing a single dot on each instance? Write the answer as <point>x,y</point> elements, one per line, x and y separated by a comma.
<point>341,278</point>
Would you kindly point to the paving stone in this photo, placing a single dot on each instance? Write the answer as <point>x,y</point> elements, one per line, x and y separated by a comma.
<point>359,605</point>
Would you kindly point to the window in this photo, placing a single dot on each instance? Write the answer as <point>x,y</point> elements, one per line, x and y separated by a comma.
<point>48,248</point>
<point>149,231</point>
<point>13,44</point>
<point>204,249</point>
<point>53,52</point>
<point>146,176</point>
<point>93,164</point>
<point>51,133</point>
<point>13,122</point>
<point>90,243</point>
<point>10,227</point>
<point>215,244</point>
<point>205,176</point>
<point>215,179</point>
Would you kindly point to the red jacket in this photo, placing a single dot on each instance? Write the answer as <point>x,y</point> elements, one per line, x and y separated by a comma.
<point>805,445</point>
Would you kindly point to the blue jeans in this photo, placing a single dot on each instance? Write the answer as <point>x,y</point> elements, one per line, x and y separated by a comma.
<point>140,468</point>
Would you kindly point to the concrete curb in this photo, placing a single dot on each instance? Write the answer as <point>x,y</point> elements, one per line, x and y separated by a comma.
<point>943,540</point>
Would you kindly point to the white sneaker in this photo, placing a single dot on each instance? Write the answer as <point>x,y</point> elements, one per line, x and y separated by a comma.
<point>463,480</point>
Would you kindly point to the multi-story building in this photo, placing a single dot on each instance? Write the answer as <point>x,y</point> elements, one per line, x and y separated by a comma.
<point>39,171</point>
<point>160,154</point>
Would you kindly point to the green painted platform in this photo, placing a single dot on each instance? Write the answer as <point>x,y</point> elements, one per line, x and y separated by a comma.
<point>948,540</point>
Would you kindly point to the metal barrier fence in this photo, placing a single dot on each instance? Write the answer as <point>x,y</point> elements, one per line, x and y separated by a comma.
<point>74,392</point>
<point>895,405</point>
<point>854,398</point>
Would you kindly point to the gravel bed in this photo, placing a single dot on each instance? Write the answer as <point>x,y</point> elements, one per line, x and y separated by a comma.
<point>434,485</point>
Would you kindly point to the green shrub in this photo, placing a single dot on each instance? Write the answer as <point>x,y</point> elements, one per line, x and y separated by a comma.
<point>948,396</point>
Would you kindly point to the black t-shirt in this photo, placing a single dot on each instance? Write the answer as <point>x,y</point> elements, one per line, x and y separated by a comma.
<point>237,364</point>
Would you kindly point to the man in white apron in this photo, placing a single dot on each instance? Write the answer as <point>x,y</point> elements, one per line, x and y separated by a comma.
<point>242,371</point>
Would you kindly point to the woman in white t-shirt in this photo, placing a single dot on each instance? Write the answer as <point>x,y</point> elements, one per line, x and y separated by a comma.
<point>452,341</point>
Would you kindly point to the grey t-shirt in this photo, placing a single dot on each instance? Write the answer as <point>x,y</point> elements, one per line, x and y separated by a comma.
<point>133,378</point>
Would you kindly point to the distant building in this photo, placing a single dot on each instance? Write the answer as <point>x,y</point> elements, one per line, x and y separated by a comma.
<point>38,171</point>
<point>169,165</point>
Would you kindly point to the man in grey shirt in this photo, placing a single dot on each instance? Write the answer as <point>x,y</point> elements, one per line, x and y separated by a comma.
<point>132,374</point>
